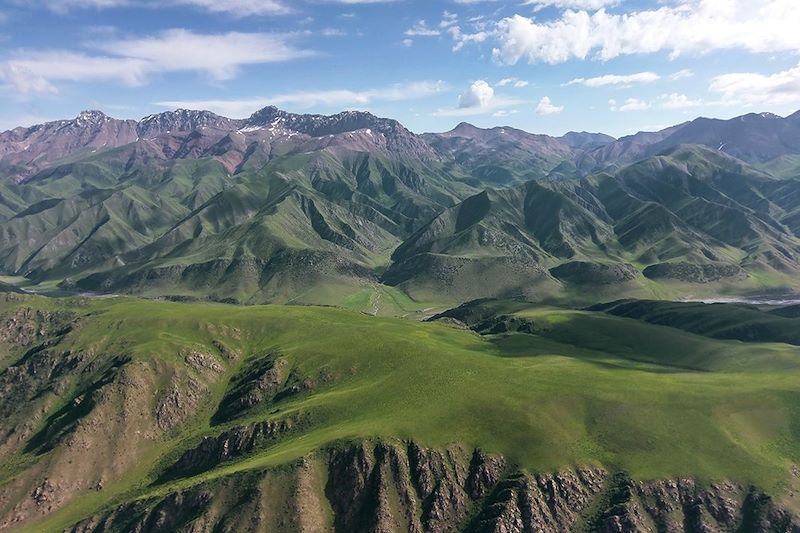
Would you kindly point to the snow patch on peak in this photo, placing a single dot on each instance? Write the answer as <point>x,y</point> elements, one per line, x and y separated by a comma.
<point>92,116</point>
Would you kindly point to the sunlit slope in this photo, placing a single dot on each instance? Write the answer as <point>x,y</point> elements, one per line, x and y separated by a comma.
<point>128,219</point>
<point>579,388</point>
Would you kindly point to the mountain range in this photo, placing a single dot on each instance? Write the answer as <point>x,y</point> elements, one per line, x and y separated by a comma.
<point>286,207</point>
<point>530,370</point>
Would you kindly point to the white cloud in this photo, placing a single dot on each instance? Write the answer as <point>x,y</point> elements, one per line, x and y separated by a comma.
<point>504,113</point>
<point>448,19</point>
<point>450,25</point>
<point>407,42</point>
<point>333,32</point>
<point>678,101</point>
<point>615,79</point>
<point>421,29</point>
<point>62,6</point>
<point>461,39</point>
<point>239,8</point>
<point>546,107</point>
<point>590,5</point>
<point>479,99</point>
<point>750,88</point>
<point>514,82</point>
<point>36,72</point>
<point>357,2</point>
<point>130,61</point>
<point>23,80</point>
<point>479,94</point>
<point>631,104</point>
<point>665,101</point>
<point>684,26</point>
<point>223,54</point>
<point>305,99</point>
<point>681,74</point>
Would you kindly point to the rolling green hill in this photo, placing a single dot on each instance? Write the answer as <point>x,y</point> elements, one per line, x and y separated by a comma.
<point>111,403</point>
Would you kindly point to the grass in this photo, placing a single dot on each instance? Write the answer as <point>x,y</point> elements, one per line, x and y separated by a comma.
<point>588,388</point>
<point>722,321</point>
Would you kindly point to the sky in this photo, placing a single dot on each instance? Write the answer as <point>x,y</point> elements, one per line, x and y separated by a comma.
<point>545,66</point>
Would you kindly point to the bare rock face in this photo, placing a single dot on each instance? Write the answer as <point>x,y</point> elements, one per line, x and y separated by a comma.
<point>31,149</point>
<point>268,379</point>
<point>28,325</point>
<point>171,514</point>
<point>684,505</point>
<point>548,502</point>
<point>180,401</point>
<point>183,133</point>
<point>397,486</point>
<point>236,442</point>
<point>102,421</point>
<point>184,121</point>
<point>350,129</point>
<point>203,362</point>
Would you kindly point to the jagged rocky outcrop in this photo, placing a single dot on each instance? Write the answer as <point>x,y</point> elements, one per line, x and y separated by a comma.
<point>394,136</point>
<point>402,486</point>
<point>27,150</point>
<point>185,133</point>
<point>502,155</point>
<point>236,442</point>
<point>269,378</point>
<point>86,417</point>
<point>183,121</point>
<point>26,325</point>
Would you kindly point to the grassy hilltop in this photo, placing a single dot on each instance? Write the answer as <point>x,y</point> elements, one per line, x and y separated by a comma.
<point>118,389</point>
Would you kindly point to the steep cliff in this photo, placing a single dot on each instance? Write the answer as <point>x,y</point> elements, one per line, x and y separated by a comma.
<point>386,486</point>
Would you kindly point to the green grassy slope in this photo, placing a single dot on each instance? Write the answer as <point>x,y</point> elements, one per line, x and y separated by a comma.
<point>584,388</point>
<point>690,221</point>
<point>130,219</point>
<point>325,225</point>
<point>723,321</point>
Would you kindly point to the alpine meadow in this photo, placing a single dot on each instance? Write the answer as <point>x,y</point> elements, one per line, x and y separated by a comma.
<point>250,289</point>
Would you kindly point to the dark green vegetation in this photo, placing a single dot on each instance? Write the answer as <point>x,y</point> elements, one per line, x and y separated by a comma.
<point>355,210</point>
<point>720,321</point>
<point>106,402</point>
<point>258,211</point>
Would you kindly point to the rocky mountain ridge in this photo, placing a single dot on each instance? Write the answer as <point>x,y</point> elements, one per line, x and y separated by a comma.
<point>193,200</point>
<point>25,151</point>
<point>402,486</point>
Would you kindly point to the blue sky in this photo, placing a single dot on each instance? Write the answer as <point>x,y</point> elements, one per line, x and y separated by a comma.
<point>549,66</point>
